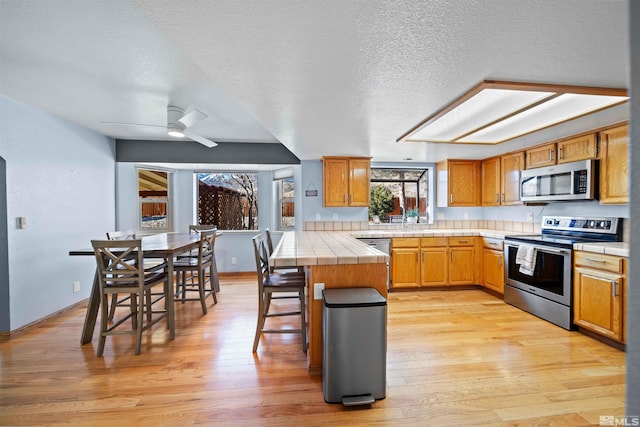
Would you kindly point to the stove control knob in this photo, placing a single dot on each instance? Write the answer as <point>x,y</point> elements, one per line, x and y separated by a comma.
<point>592,224</point>
<point>556,222</point>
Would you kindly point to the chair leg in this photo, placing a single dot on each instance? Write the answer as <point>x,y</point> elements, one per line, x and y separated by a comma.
<point>214,275</point>
<point>114,303</point>
<point>303,323</point>
<point>140,315</point>
<point>260,324</point>
<point>213,278</point>
<point>201,282</point>
<point>104,314</point>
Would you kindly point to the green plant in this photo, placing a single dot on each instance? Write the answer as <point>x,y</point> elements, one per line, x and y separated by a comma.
<point>413,212</point>
<point>381,201</point>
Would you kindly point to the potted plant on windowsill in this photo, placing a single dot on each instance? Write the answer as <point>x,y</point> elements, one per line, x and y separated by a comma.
<point>412,215</point>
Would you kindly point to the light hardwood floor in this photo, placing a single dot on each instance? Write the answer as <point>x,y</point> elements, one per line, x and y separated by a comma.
<point>454,358</point>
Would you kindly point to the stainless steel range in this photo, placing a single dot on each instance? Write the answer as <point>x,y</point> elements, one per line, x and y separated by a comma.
<point>539,268</point>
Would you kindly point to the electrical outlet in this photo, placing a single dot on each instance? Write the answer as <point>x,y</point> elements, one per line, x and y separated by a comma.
<point>465,215</point>
<point>234,260</point>
<point>530,216</point>
<point>318,217</point>
<point>317,290</point>
<point>335,216</point>
<point>440,216</point>
<point>76,287</point>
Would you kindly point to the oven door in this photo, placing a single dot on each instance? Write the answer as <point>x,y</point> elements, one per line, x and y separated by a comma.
<point>552,273</point>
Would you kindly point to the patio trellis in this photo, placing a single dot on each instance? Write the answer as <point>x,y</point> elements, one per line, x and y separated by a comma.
<point>220,206</point>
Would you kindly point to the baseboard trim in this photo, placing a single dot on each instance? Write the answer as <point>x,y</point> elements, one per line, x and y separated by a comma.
<point>7,336</point>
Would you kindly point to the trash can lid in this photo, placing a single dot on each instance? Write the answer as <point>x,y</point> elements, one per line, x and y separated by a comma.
<point>353,297</point>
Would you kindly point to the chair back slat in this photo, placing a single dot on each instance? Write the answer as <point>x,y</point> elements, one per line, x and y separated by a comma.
<point>202,227</point>
<point>114,257</point>
<point>262,259</point>
<point>121,235</point>
<point>207,246</point>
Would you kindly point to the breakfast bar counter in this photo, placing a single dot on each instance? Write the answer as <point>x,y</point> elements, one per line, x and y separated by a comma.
<point>331,260</point>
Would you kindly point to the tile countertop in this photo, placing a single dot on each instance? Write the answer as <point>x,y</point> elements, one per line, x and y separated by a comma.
<point>441,232</point>
<point>613,248</point>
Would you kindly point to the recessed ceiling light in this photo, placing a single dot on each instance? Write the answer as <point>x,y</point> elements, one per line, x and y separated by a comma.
<point>497,111</point>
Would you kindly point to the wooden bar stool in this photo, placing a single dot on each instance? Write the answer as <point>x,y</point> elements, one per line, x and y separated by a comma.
<point>272,286</point>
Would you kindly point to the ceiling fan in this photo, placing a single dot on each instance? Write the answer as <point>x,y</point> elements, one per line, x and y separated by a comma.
<point>178,124</point>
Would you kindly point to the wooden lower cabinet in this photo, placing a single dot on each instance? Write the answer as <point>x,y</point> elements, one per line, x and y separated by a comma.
<point>461,260</point>
<point>434,266</point>
<point>432,261</point>
<point>493,268</point>
<point>599,294</point>
<point>405,270</point>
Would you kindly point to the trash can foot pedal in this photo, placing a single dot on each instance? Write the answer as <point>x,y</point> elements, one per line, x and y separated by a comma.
<point>364,399</point>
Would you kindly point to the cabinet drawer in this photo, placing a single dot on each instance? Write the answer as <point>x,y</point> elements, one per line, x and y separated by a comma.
<point>433,241</point>
<point>405,242</point>
<point>461,241</point>
<point>599,261</point>
<point>491,243</point>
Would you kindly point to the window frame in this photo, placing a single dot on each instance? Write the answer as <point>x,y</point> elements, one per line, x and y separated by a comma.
<point>168,201</point>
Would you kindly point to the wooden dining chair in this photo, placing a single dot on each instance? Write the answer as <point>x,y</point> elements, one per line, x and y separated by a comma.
<point>197,273</point>
<point>158,264</point>
<point>120,269</point>
<point>197,228</point>
<point>272,286</point>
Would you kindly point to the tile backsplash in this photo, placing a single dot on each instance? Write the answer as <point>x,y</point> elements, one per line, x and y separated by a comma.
<point>516,226</point>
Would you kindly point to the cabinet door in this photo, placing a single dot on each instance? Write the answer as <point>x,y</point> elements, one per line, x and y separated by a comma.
<point>405,267</point>
<point>491,182</point>
<point>493,267</point>
<point>579,148</point>
<point>335,176</point>
<point>544,155</point>
<point>359,187</point>
<point>464,183</point>
<point>614,165</point>
<point>433,266</point>
<point>461,265</point>
<point>511,166</point>
<point>599,302</point>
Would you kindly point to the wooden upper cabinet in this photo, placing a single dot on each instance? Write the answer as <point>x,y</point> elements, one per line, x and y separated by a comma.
<point>582,147</point>
<point>458,183</point>
<point>491,182</point>
<point>359,181</point>
<point>511,166</point>
<point>543,155</point>
<point>614,165</point>
<point>345,181</point>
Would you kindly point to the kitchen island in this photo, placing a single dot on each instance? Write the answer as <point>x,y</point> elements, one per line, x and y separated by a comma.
<point>331,260</point>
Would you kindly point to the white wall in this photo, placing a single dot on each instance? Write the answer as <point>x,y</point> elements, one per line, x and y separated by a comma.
<point>61,178</point>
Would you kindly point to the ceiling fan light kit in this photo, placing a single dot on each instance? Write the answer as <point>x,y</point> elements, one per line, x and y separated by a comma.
<point>497,111</point>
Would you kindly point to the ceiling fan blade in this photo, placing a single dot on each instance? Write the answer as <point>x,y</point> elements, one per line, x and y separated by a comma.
<point>192,117</point>
<point>201,139</point>
<point>133,124</point>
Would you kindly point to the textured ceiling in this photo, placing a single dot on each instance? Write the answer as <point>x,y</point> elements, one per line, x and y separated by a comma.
<point>331,77</point>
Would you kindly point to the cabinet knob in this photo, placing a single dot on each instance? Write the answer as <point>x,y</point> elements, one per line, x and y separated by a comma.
<point>614,288</point>
<point>451,198</point>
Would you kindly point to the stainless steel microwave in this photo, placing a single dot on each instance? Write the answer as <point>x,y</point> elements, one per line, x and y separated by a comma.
<point>567,181</point>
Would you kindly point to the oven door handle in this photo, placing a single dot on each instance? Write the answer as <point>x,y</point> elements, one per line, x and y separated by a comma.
<point>543,249</point>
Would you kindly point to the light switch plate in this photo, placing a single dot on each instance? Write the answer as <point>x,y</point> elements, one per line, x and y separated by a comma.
<point>317,290</point>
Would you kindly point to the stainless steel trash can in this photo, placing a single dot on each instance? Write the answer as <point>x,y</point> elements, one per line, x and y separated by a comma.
<point>354,354</point>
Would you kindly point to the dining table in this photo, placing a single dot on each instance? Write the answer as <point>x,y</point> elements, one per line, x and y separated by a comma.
<point>164,246</point>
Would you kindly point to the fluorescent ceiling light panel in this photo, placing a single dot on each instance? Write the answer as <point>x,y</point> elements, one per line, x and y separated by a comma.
<point>495,112</point>
<point>476,112</point>
<point>562,108</point>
